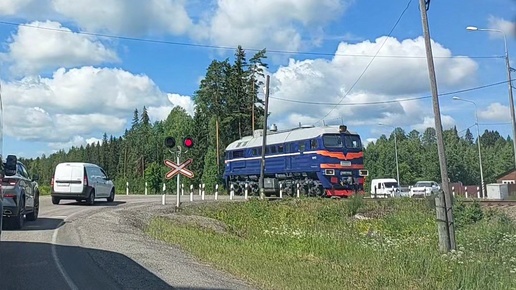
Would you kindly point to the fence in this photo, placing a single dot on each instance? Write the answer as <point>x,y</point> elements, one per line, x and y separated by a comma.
<point>201,191</point>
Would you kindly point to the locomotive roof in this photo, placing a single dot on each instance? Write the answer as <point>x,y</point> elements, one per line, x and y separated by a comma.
<point>284,136</point>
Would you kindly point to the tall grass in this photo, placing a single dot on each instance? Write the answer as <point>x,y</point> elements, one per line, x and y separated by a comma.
<point>317,244</point>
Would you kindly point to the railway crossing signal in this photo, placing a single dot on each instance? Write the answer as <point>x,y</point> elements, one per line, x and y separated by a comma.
<point>178,169</point>
<point>188,142</point>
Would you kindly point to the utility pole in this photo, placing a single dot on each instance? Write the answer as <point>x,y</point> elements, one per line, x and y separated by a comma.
<point>252,103</point>
<point>217,139</point>
<point>450,225</point>
<point>264,142</point>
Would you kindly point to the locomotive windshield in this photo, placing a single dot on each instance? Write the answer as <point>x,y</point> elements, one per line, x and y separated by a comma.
<point>332,141</point>
<point>352,141</point>
<point>339,141</point>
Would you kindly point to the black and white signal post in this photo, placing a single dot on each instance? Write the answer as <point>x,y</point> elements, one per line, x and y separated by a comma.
<point>178,168</point>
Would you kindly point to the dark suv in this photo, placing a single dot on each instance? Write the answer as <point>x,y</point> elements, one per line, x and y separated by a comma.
<point>21,194</point>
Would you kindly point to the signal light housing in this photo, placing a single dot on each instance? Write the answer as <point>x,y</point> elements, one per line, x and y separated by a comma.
<point>188,142</point>
<point>170,142</point>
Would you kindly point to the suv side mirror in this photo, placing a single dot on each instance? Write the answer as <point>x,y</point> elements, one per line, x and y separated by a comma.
<point>35,177</point>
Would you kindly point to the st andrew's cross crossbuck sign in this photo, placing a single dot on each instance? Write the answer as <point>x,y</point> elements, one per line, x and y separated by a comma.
<point>178,169</point>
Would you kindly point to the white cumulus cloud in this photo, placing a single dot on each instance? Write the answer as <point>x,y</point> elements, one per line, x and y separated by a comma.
<point>134,18</point>
<point>495,112</point>
<point>82,102</point>
<point>281,24</point>
<point>306,91</point>
<point>47,45</point>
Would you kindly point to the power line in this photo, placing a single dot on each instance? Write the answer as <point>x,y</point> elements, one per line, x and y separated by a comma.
<point>232,48</point>
<point>495,124</point>
<point>390,101</point>
<point>370,62</point>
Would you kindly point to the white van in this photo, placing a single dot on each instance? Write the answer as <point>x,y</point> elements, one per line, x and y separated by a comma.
<point>81,181</point>
<point>385,187</point>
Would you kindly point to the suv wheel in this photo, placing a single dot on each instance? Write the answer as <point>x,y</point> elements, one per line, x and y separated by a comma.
<point>18,220</point>
<point>34,214</point>
<point>111,197</point>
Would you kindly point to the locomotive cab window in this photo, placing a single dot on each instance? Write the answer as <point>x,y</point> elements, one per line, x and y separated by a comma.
<point>332,141</point>
<point>280,148</point>
<point>352,141</point>
<point>238,154</point>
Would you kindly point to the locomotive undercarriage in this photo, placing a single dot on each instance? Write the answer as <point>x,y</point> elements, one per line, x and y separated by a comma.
<point>289,184</point>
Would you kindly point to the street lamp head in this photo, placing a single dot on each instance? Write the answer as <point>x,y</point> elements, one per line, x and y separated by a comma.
<point>472,28</point>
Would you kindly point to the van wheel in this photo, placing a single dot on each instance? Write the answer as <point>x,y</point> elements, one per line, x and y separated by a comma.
<point>55,200</point>
<point>111,197</point>
<point>91,198</point>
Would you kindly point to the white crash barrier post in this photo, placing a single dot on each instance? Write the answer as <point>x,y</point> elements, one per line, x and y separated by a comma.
<point>202,192</point>
<point>191,192</point>
<point>200,187</point>
<point>164,196</point>
<point>478,192</point>
<point>298,186</point>
<point>231,192</point>
<point>281,190</point>
<point>246,190</point>
<point>216,191</point>
<point>145,187</point>
<point>127,188</point>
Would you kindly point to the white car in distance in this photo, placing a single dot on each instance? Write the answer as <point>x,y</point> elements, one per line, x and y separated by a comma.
<point>424,188</point>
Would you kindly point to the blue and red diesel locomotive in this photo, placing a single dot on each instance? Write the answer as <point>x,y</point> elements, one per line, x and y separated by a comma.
<point>325,161</point>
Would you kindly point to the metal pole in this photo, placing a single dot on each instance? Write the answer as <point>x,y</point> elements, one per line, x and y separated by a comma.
<point>264,142</point>
<point>482,184</point>
<point>509,82</point>
<point>482,191</point>
<point>396,152</point>
<point>178,197</point>
<point>438,128</point>
<point>511,99</point>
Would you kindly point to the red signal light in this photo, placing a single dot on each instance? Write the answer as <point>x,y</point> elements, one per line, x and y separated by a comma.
<point>188,142</point>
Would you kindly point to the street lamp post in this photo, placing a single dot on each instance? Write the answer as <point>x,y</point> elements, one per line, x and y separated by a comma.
<point>508,66</point>
<point>478,143</point>
<point>396,154</point>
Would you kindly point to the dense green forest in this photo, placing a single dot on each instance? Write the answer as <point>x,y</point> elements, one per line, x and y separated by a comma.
<point>418,159</point>
<point>227,99</point>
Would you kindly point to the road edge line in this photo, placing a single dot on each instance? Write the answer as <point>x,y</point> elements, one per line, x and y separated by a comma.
<point>55,257</point>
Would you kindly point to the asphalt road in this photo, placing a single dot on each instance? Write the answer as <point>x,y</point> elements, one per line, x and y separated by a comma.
<point>75,246</point>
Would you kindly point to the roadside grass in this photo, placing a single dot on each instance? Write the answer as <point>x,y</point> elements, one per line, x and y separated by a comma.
<point>317,244</point>
<point>44,190</point>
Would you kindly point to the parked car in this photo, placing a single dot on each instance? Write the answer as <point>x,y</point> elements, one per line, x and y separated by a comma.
<point>81,182</point>
<point>20,194</point>
<point>424,188</point>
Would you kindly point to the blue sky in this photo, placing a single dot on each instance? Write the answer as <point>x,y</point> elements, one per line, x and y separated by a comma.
<point>64,84</point>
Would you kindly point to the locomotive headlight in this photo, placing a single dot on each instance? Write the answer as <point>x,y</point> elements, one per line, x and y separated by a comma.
<point>329,171</point>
